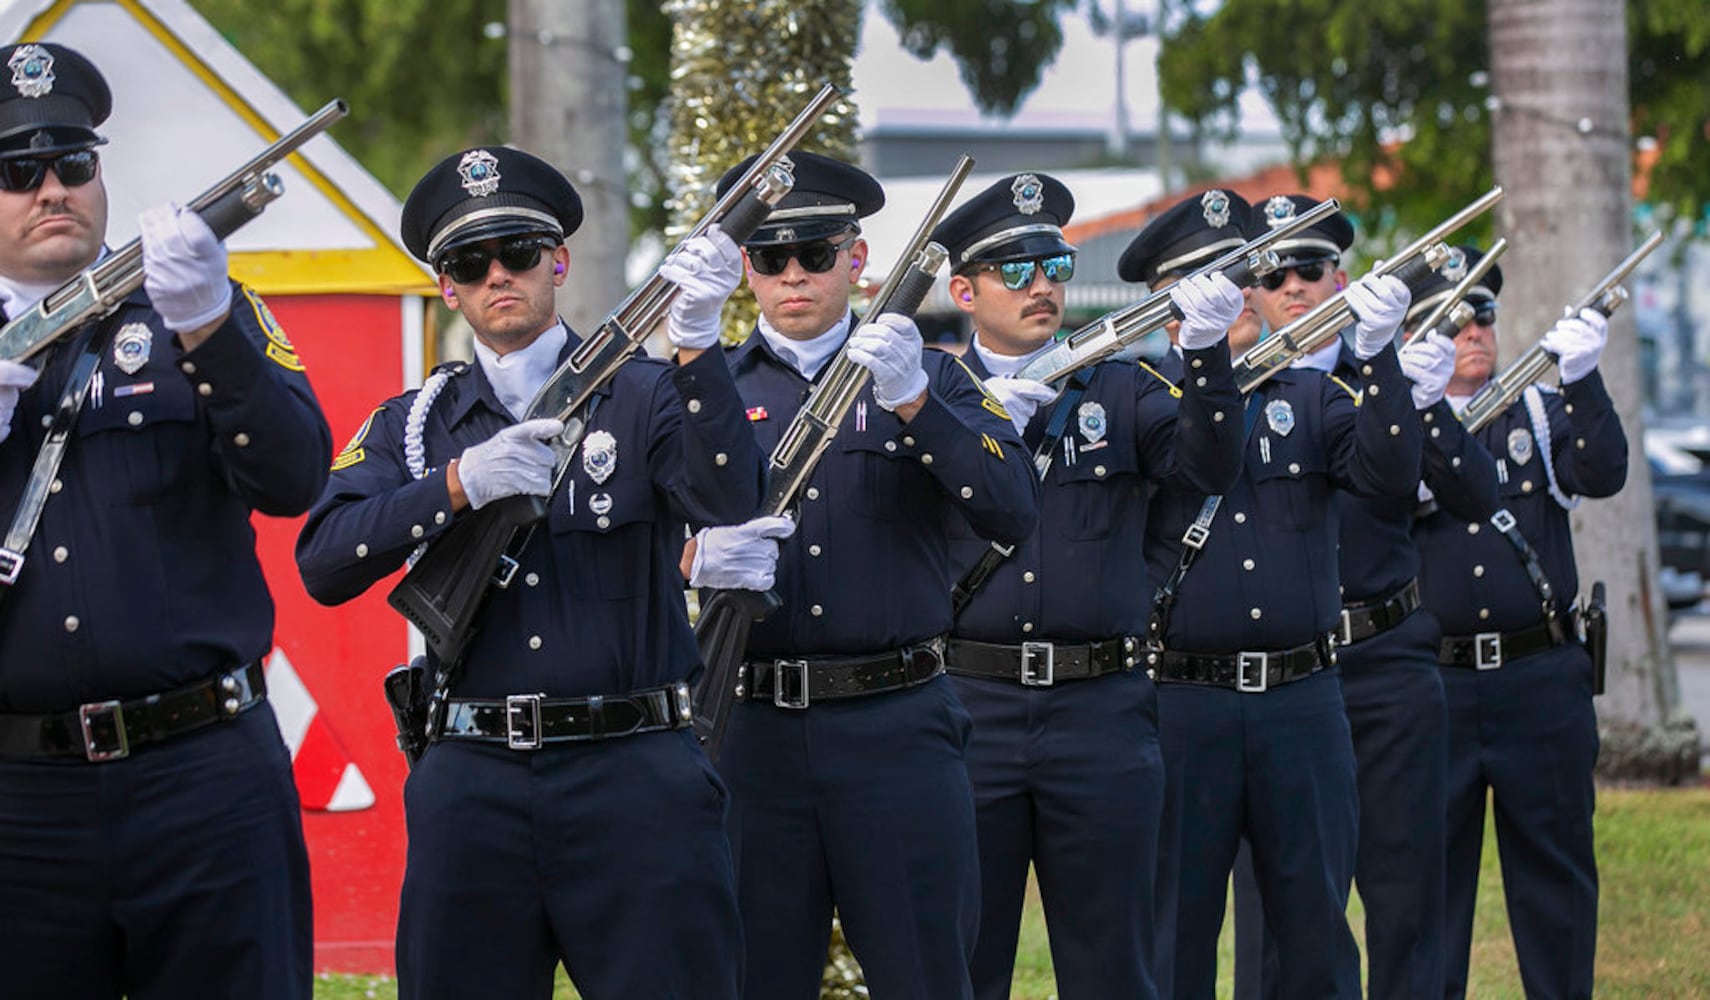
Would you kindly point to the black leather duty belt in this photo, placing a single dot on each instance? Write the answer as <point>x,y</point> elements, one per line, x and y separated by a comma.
<point>802,682</point>
<point>1251,671</point>
<point>1041,664</point>
<point>108,730</point>
<point>531,721</point>
<point>1362,621</point>
<point>1490,650</point>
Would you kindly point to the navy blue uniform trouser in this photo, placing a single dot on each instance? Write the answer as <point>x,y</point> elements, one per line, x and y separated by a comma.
<point>1393,690</point>
<point>864,805</point>
<point>1526,733</point>
<point>1278,768</point>
<point>608,856</point>
<point>177,872</point>
<point>1070,779</point>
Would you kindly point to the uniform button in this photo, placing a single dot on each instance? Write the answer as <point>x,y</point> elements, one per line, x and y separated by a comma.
<point>1027,626</point>
<point>721,459</point>
<point>813,550</point>
<point>439,517</point>
<point>135,419</point>
<point>416,531</point>
<point>1248,564</point>
<point>204,389</point>
<point>1256,614</point>
<point>362,550</point>
<point>1199,362</point>
<point>816,610</point>
<point>603,521</point>
<point>55,486</point>
<point>890,446</point>
<point>71,623</point>
<point>1579,442</point>
<point>1365,369</point>
<point>1427,416</point>
<point>1436,432</point>
<point>1294,468</point>
<point>967,492</point>
<point>1484,612</point>
<point>1240,518</point>
<point>47,420</point>
<point>1472,529</point>
<point>694,406</point>
<point>1478,571</point>
<point>1455,462</point>
<point>1394,430</point>
<point>240,439</point>
<point>188,367</point>
<point>1200,382</point>
<point>1027,577</point>
<point>1217,416</point>
<point>533,579</point>
<point>1098,470</point>
<point>813,493</point>
<point>1568,407</point>
<point>1526,486</point>
<point>908,440</point>
<point>926,459</point>
<point>60,554</point>
<point>534,642</point>
<point>1371,390</point>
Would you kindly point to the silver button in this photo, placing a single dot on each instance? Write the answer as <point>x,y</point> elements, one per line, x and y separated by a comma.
<point>967,492</point>
<point>908,440</point>
<point>55,486</point>
<point>1371,390</point>
<point>813,493</point>
<point>1427,416</point>
<point>229,684</point>
<point>1027,626</point>
<point>1200,382</point>
<point>890,446</point>
<point>533,579</point>
<point>1472,529</point>
<point>240,439</point>
<point>1455,462</point>
<point>534,642</point>
<point>1365,369</point>
<point>816,610</point>
<point>71,623</point>
<point>1217,416</point>
<point>1256,614</point>
<point>926,459</point>
<point>1098,470</point>
<point>1394,430</point>
<point>1568,407</point>
<point>1294,468</point>
<point>61,554</point>
<point>603,521</point>
<point>721,459</point>
<point>439,517</point>
<point>47,420</point>
<point>1526,486</point>
<point>1478,571</point>
<point>1027,577</point>
<point>694,406</point>
<point>362,550</point>
<point>188,367</point>
<point>230,706</point>
<point>1199,362</point>
<point>1579,442</point>
<point>1240,518</point>
<point>1436,432</point>
<point>416,531</point>
<point>1484,612</point>
<point>205,389</point>
<point>1248,564</point>
<point>813,550</point>
<point>135,419</point>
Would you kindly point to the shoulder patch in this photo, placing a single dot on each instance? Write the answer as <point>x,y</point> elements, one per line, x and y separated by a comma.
<point>1155,373</point>
<point>354,453</point>
<point>279,347</point>
<point>1346,388</point>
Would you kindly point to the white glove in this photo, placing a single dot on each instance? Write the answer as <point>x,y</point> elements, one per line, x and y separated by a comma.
<point>1379,303</point>
<point>513,462</point>
<point>1429,361</point>
<point>14,379</point>
<point>184,268</point>
<point>1577,342</point>
<point>741,556</point>
<point>705,270</point>
<point>1021,397</point>
<point>1210,305</point>
<point>889,347</point>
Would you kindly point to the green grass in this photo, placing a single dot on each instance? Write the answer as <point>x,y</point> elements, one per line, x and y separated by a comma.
<point>1653,854</point>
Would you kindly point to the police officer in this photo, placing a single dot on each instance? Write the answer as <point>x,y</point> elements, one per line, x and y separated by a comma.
<point>1251,721</point>
<point>1046,651</point>
<point>150,837</point>
<point>1522,729</point>
<point>846,760</point>
<point>564,814</point>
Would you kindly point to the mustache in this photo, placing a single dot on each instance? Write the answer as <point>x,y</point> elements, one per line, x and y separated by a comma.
<point>56,213</point>
<point>1040,306</point>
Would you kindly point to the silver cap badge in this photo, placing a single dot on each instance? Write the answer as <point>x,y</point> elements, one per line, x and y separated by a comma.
<point>1455,268</point>
<point>32,70</point>
<point>1278,210</point>
<point>132,346</point>
<point>1214,205</point>
<point>599,456</point>
<point>1279,416</point>
<point>480,172</point>
<point>1029,193</point>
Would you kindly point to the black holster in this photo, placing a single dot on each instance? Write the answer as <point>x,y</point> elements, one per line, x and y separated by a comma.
<point>1596,623</point>
<point>406,688</point>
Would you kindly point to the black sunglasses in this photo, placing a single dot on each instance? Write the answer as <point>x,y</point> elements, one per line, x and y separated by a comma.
<point>1308,273</point>
<point>1485,315</point>
<point>466,267</point>
<point>1018,274</point>
<point>26,173</point>
<point>816,256</point>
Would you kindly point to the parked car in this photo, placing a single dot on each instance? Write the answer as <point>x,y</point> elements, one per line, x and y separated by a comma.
<point>1680,488</point>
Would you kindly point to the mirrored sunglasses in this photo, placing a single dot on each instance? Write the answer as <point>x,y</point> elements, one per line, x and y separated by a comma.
<point>1308,273</point>
<point>816,256</point>
<point>1018,274</point>
<point>466,267</point>
<point>26,173</point>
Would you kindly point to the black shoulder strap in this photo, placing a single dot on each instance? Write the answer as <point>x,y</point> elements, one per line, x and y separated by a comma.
<point>1504,522</point>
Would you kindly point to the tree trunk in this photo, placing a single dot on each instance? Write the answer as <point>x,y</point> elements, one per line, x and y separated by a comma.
<point>1560,148</point>
<point>568,106</point>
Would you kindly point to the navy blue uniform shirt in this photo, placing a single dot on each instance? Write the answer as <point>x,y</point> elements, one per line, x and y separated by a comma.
<point>868,567</point>
<point>142,576</point>
<point>1079,575</point>
<point>596,606</point>
<point>1474,581</point>
<point>1267,579</point>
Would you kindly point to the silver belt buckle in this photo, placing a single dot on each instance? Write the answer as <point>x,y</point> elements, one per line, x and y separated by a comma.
<point>1487,650</point>
<point>1260,663</point>
<point>1345,631</point>
<point>684,708</point>
<point>11,564</point>
<point>505,572</point>
<point>781,695</point>
<point>1503,520</point>
<point>1031,675</point>
<point>524,708</point>
<point>89,716</point>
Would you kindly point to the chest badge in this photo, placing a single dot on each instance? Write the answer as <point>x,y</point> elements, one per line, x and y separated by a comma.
<point>1520,445</point>
<point>599,456</point>
<point>1279,416</point>
<point>1093,421</point>
<point>132,346</point>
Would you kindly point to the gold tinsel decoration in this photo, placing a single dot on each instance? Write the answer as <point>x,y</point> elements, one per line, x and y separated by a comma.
<point>740,70</point>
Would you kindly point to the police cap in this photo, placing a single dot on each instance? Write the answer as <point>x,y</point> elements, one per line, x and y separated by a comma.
<point>1435,287</point>
<point>1190,234</point>
<point>830,197</point>
<point>479,194</point>
<point>1019,217</point>
<point>1323,241</point>
<point>50,101</point>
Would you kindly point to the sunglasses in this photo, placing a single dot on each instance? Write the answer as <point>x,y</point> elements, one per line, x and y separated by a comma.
<point>1308,273</point>
<point>466,267</point>
<point>1018,274</point>
<point>26,173</point>
<point>816,257</point>
<point>1485,316</point>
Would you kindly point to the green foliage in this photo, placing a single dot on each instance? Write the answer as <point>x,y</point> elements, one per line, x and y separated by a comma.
<point>1000,46</point>
<point>1669,63</point>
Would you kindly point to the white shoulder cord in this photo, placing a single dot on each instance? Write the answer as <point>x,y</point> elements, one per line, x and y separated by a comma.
<point>1541,440</point>
<point>415,450</point>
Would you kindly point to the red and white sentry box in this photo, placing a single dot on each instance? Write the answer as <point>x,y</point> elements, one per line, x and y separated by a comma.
<point>187,110</point>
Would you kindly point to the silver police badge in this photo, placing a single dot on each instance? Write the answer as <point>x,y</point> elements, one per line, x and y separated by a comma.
<point>1029,194</point>
<point>132,346</point>
<point>1093,421</point>
<point>1214,205</point>
<point>480,172</point>
<point>32,71</point>
<point>1455,268</point>
<point>1520,445</point>
<point>600,504</point>
<point>1279,416</point>
<point>599,456</point>
<point>1279,210</point>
